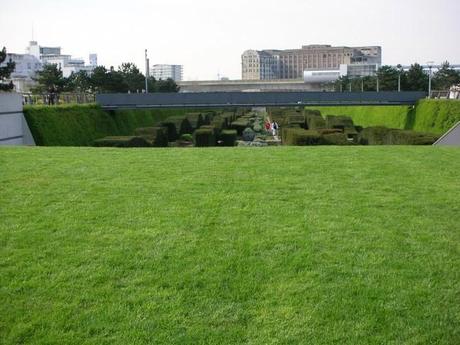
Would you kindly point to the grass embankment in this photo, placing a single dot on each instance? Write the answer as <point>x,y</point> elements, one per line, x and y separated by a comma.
<point>434,116</point>
<point>230,246</point>
<point>80,125</point>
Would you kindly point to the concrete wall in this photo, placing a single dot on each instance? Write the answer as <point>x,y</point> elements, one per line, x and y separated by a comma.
<point>13,126</point>
<point>451,138</point>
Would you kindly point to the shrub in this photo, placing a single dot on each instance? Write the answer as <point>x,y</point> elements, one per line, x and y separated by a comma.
<point>240,125</point>
<point>402,137</point>
<point>389,136</point>
<point>157,136</point>
<point>325,131</point>
<point>204,137</point>
<point>196,120</point>
<point>340,121</point>
<point>334,139</point>
<point>248,134</point>
<point>257,127</point>
<point>300,137</point>
<point>312,112</point>
<point>214,129</point>
<point>186,137</point>
<point>228,137</point>
<point>122,142</point>
<point>177,125</point>
<point>315,121</point>
<point>297,119</point>
<point>219,122</point>
<point>374,136</point>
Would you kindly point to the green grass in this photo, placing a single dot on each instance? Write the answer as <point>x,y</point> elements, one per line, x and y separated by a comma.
<point>330,245</point>
<point>80,125</point>
<point>367,116</point>
<point>433,116</point>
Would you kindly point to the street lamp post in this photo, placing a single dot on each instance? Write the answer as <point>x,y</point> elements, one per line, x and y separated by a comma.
<point>399,82</point>
<point>378,86</point>
<point>362,84</point>
<point>146,72</point>
<point>430,67</point>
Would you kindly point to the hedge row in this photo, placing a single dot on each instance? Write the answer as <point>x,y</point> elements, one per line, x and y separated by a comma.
<point>391,136</point>
<point>122,141</point>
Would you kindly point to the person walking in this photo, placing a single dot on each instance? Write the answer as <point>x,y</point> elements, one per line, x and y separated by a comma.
<point>275,128</point>
<point>267,126</point>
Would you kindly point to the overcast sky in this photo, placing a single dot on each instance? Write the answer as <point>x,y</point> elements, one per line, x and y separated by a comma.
<point>209,36</point>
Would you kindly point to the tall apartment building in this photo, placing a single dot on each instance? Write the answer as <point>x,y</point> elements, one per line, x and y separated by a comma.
<point>291,63</point>
<point>163,72</point>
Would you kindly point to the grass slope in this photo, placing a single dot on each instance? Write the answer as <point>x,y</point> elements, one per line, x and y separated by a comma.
<point>433,116</point>
<point>229,246</point>
<point>367,116</point>
<point>437,116</point>
<point>80,125</point>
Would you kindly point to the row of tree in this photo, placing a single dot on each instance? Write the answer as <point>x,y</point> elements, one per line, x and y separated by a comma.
<point>127,78</point>
<point>414,79</point>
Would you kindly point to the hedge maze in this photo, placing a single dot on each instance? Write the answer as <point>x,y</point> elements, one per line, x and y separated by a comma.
<point>309,127</point>
<point>203,129</point>
<point>245,127</point>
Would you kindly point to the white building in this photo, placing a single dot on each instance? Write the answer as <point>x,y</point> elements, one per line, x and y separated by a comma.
<point>163,72</point>
<point>53,55</point>
<point>26,67</point>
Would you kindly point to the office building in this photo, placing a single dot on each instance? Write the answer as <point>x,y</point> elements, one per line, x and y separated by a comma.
<point>291,63</point>
<point>163,72</point>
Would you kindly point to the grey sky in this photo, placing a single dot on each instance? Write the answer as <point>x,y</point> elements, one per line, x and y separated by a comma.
<point>208,36</point>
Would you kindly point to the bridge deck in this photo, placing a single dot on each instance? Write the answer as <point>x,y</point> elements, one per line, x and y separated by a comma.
<point>255,99</point>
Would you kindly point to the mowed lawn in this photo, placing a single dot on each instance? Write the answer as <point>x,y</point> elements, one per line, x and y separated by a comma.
<point>332,245</point>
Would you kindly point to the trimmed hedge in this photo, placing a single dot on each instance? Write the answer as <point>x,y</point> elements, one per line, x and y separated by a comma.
<point>228,137</point>
<point>204,137</point>
<point>157,136</point>
<point>340,121</point>
<point>214,129</point>
<point>122,142</point>
<point>297,119</point>
<point>391,136</point>
<point>315,121</point>
<point>177,125</point>
<point>240,125</point>
<point>299,136</point>
<point>335,139</point>
<point>249,134</point>
<point>80,125</point>
<point>196,120</point>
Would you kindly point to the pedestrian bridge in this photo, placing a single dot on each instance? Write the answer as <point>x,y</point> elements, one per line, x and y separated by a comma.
<point>255,99</point>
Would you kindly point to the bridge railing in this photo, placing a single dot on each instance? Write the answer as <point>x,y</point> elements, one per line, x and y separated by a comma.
<point>253,99</point>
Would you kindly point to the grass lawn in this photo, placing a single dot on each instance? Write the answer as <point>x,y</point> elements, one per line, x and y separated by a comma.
<point>392,116</point>
<point>288,245</point>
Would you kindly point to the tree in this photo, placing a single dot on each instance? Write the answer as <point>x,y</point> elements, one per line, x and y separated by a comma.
<point>79,81</point>
<point>5,72</point>
<point>167,85</point>
<point>388,78</point>
<point>415,79</point>
<point>99,79</point>
<point>132,77</point>
<point>50,79</point>
<point>446,77</point>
